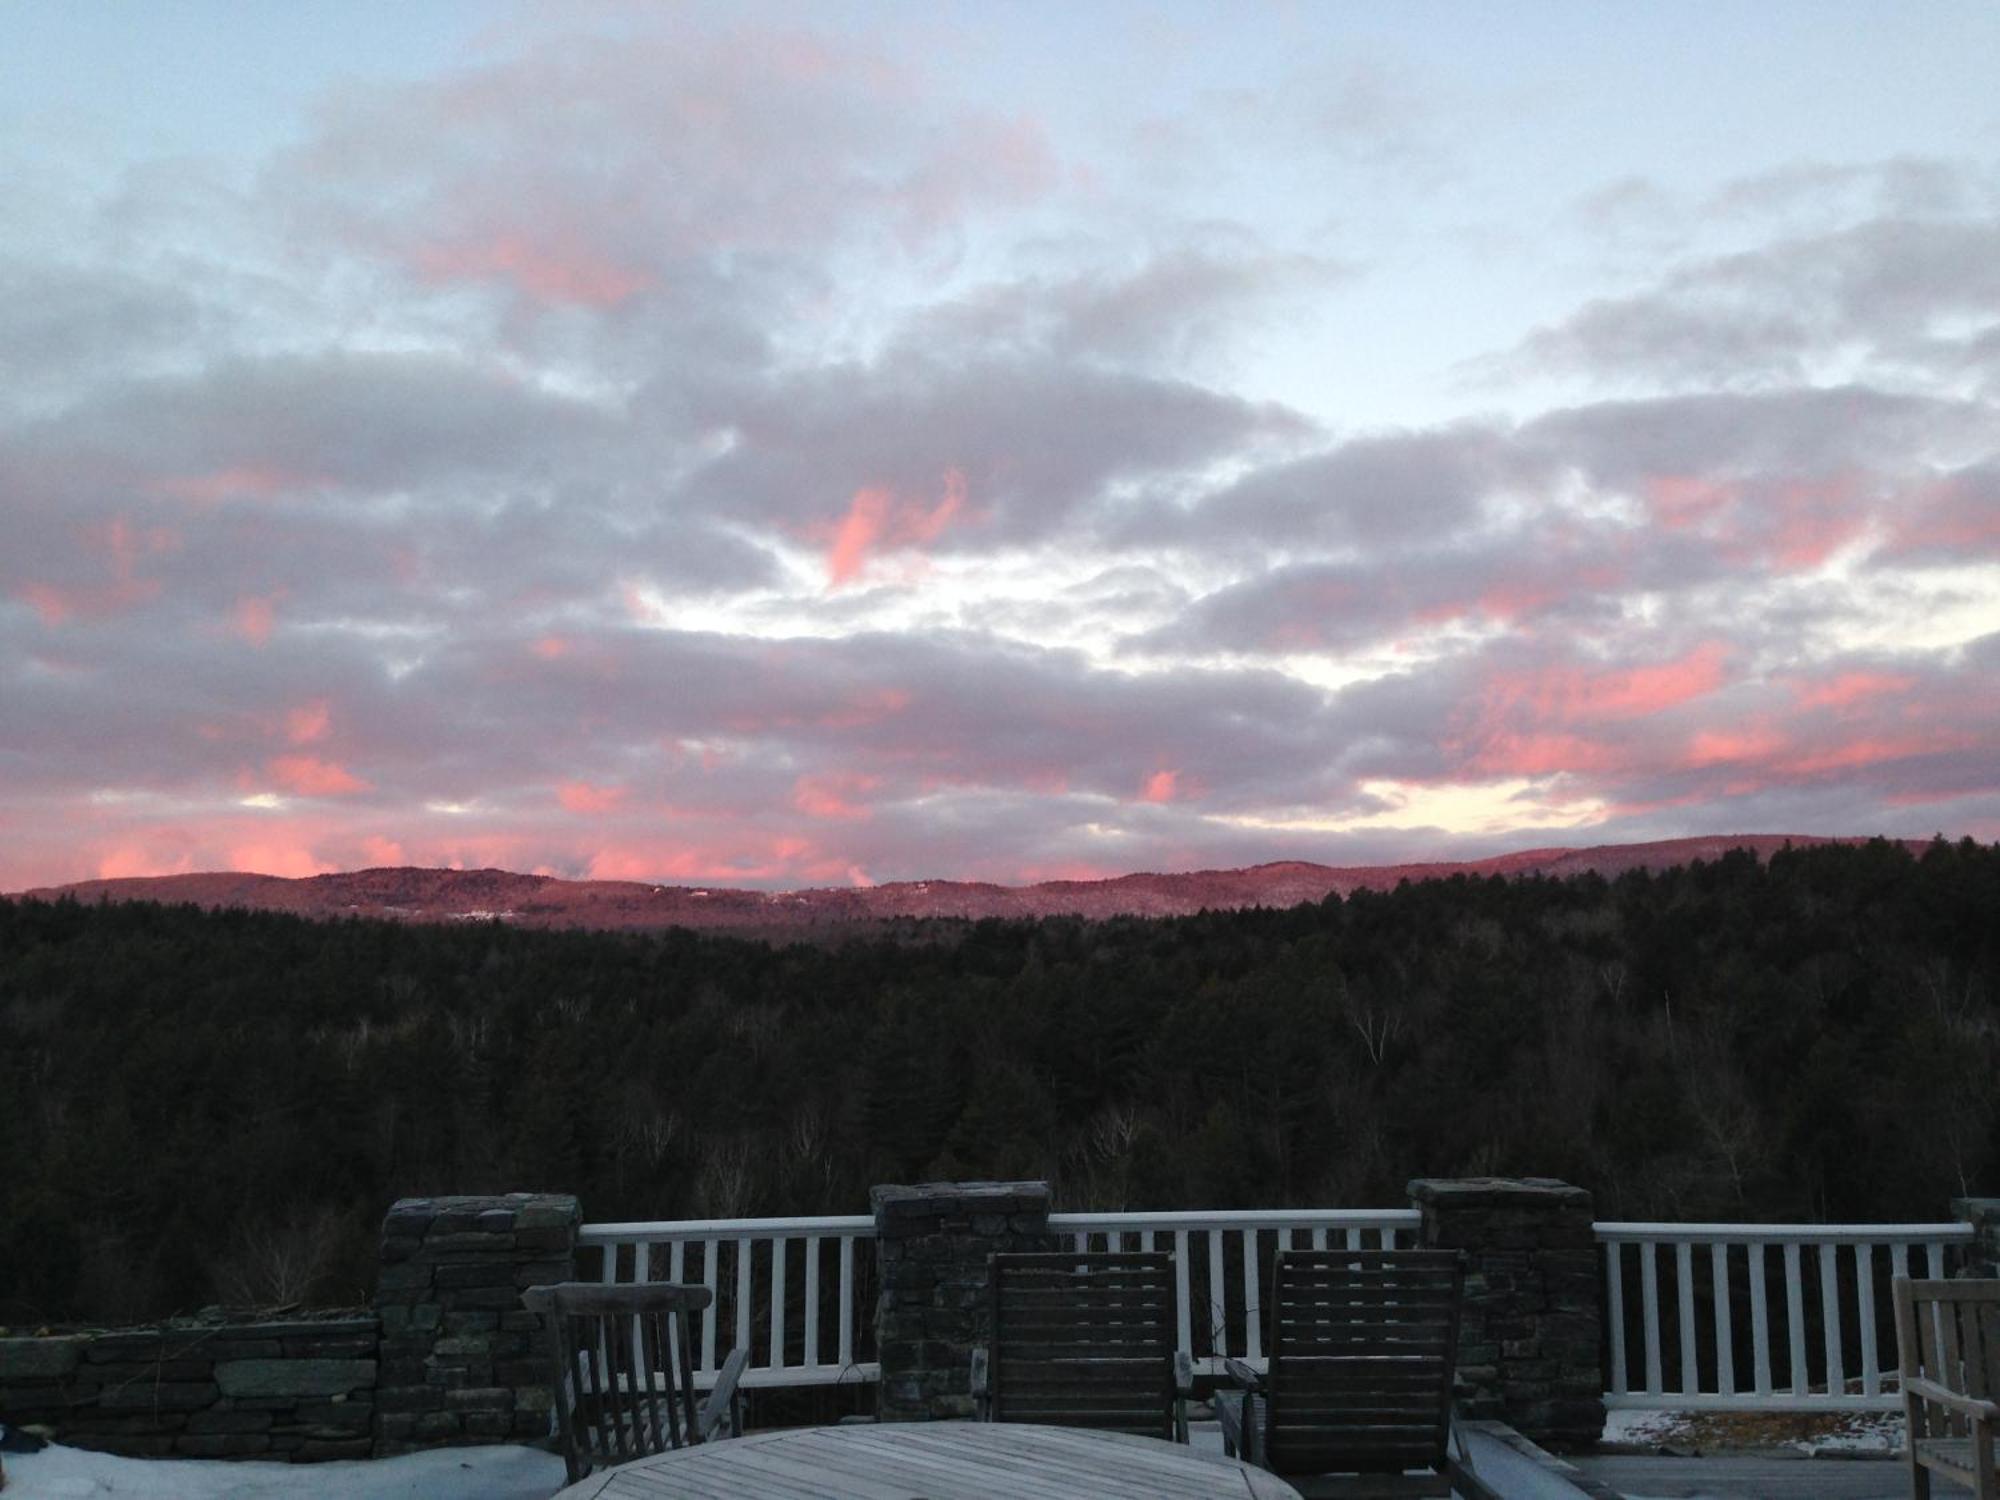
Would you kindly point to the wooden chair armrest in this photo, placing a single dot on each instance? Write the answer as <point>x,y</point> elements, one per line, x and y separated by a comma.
<point>1183,1393</point>
<point>982,1398</point>
<point>724,1403</point>
<point>1229,1417</point>
<point>1243,1375</point>
<point>1958,1401</point>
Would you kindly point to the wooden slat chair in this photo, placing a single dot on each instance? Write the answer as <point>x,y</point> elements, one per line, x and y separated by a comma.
<point>624,1372</point>
<point>1084,1340</point>
<point>1948,1348</point>
<point>1363,1345</point>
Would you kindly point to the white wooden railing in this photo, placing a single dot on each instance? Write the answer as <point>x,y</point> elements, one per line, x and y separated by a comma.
<point>1797,1361</point>
<point>1230,1252</point>
<point>823,1334</point>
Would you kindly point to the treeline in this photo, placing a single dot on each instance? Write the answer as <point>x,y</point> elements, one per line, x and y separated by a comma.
<point>200,1107</point>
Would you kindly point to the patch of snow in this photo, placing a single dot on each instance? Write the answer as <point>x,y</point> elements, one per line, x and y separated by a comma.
<point>1642,1428</point>
<point>483,916</point>
<point>494,1473</point>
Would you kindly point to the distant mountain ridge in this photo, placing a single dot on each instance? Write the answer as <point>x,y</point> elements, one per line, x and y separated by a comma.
<point>426,895</point>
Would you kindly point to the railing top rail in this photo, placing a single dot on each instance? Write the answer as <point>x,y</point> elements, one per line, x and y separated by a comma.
<point>1779,1234</point>
<point>663,1231</point>
<point>1258,1218</point>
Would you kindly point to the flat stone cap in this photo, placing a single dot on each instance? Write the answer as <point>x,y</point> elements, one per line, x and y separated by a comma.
<point>891,1200</point>
<point>1498,1192</point>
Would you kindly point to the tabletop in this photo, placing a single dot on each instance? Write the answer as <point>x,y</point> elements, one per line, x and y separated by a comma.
<point>934,1461</point>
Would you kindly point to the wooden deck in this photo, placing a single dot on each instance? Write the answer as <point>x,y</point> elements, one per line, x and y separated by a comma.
<point>1742,1478</point>
<point>937,1460</point>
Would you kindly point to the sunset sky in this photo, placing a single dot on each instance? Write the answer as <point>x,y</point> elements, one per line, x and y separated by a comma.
<point>841,443</point>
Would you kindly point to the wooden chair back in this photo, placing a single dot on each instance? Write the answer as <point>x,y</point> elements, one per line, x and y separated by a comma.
<point>624,1375</point>
<point>1363,1347</point>
<point>1084,1340</point>
<point>1948,1348</point>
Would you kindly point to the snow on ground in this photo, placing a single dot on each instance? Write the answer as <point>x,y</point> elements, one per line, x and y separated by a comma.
<point>1809,1434</point>
<point>496,1473</point>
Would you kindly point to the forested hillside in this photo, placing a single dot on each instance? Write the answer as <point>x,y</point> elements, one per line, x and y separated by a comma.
<point>198,1107</point>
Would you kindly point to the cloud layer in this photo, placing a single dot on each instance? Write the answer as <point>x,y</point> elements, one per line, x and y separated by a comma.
<point>734,455</point>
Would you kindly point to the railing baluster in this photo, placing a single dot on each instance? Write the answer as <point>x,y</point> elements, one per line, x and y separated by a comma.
<point>1829,1306</point>
<point>1218,1295</point>
<point>779,1245</point>
<point>607,1266</point>
<point>743,1254</point>
<point>642,1272</point>
<point>1649,1300</point>
<point>1899,1258</point>
<point>1182,1310</point>
<point>1934,1253</point>
<point>1864,1285</point>
<point>711,1252</point>
<point>846,1300</point>
<point>1760,1320</point>
<point>1795,1318</point>
<point>1725,1341</point>
<point>810,1352</point>
<point>1684,1288</point>
<point>1319,1238</point>
<point>677,1273</point>
<point>1253,1339</point>
<point>1614,1301</point>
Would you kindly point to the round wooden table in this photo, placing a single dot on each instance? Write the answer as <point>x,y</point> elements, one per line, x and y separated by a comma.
<point>934,1461</point>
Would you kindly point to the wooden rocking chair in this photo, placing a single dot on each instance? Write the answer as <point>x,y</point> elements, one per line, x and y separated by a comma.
<point>1084,1340</point>
<point>624,1373</point>
<point>1363,1346</point>
<point>1948,1347</point>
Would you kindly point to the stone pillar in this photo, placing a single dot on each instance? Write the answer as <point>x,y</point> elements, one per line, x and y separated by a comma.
<point>933,1240</point>
<point>1982,1256</point>
<point>1530,1345</point>
<point>461,1360</point>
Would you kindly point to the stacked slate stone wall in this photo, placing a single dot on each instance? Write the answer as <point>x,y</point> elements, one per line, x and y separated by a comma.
<point>462,1361</point>
<point>934,1306</point>
<point>299,1388</point>
<point>1530,1343</point>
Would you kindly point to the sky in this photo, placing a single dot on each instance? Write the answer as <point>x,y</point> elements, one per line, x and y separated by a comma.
<point>838,443</point>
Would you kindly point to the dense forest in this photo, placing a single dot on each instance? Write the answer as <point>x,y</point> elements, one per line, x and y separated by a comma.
<point>200,1107</point>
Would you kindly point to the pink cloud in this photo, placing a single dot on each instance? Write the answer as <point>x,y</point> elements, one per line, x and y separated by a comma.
<point>834,795</point>
<point>1850,688</point>
<point>1954,514</point>
<point>582,797</point>
<point>551,268</point>
<point>877,521</point>
<point>311,777</point>
<point>240,482</point>
<point>119,548</point>
<point>309,722</point>
<point>1161,786</point>
<point>254,616</point>
<point>551,648</point>
<point>867,708</point>
<point>1543,702</point>
<point>1713,747</point>
<point>1506,752</point>
<point>288,860</point>
<point>381,851</point>
<point>1685,502</point>
<point>129,861</point>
